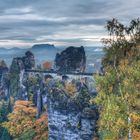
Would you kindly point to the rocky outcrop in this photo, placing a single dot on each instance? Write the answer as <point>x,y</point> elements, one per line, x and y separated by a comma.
<point>3,69</point>
<point>17,75</point>
<point>43,46</point>
<point>71,59</point>
<point>28,60</point>
<point>3,80</point>
<point>70,117</point>
<point>25,62</point>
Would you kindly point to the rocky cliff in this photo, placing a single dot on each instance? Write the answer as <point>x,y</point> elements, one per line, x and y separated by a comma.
<point>69,117</point>
<point>17,75</point>
<point>3,80</point>
<point>3,70</point>
<point>71,59</point>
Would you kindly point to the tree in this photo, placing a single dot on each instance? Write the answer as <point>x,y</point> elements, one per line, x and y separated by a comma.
<point>41,128</point>
<point>4,110</point>
<point>23,120</point>
<point>3,64</point>
<point>122,41</point>
<point>47,65</point>
<point>119,87</point>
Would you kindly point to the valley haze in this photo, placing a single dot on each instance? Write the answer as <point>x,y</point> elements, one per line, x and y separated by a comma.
<point>47,52</point>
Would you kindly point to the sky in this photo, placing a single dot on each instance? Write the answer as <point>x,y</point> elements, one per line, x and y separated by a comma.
<point>61,22</point>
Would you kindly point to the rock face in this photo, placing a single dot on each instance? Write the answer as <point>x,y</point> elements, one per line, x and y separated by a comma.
<point>70,60</point>
<point>28,60</point>
<point>25,62</point>
<point>3,80</point>
<point>70,118</point>
<point>17,75</point>
<point>3,69</point>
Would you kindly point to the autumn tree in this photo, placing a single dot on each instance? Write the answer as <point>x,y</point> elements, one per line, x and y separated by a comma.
<point>119,87</point>
<point>23,120</point>
<point>47,65</point>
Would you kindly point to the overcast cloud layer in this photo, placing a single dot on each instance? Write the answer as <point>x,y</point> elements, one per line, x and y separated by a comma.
<point>60,22</point>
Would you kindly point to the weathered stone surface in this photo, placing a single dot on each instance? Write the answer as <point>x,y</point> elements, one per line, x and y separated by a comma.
<point>71,59</point>
<point>28,60</point>
<point>70,118</point>
<point>3,80</point>
<point>21,63</point>
<point>18,79</point>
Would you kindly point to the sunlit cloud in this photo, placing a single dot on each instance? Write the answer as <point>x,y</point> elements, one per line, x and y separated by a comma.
<point>14,43</point>
<point>24,10</point>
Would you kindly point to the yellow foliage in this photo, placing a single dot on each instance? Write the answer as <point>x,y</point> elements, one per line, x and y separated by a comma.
<point>23,118</point>
<point>70,88</point>
<point>135,117</point>
<point>135,125</point>
<point>119,88</point>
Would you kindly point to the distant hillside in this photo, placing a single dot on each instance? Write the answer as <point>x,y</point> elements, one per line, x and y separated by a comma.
<point>47,52</point>
<point>43,46</point>
<point>42,52</point>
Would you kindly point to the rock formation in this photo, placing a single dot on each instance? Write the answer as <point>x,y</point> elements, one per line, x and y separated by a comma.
<point>25,62</point>
<point>71,59</point>
<point>70,117</point>
<point>43,46</point>
<point>3,80</point>
<point>28,60</point>
<point>3,69</point>
<point>17,75</point>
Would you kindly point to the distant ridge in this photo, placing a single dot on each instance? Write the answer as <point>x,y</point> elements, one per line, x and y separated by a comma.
<point>36,46</point>
<point>43,46</point>
<point>14,48</point>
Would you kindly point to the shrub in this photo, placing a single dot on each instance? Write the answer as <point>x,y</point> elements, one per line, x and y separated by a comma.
<point>70,88</point>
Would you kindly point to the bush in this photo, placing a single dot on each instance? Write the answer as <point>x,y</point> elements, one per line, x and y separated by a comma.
<point>70,88</point>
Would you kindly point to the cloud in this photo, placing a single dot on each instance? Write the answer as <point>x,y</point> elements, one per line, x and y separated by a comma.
<point>63,22</point>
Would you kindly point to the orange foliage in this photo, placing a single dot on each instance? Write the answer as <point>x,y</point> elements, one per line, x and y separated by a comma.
<point>23,118</point>
<point>47,65</point>
<point>41,128</point>
<point>135,119</point>
<point>136,134</point>
<point>25,107</point>
<point>21,102</point>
